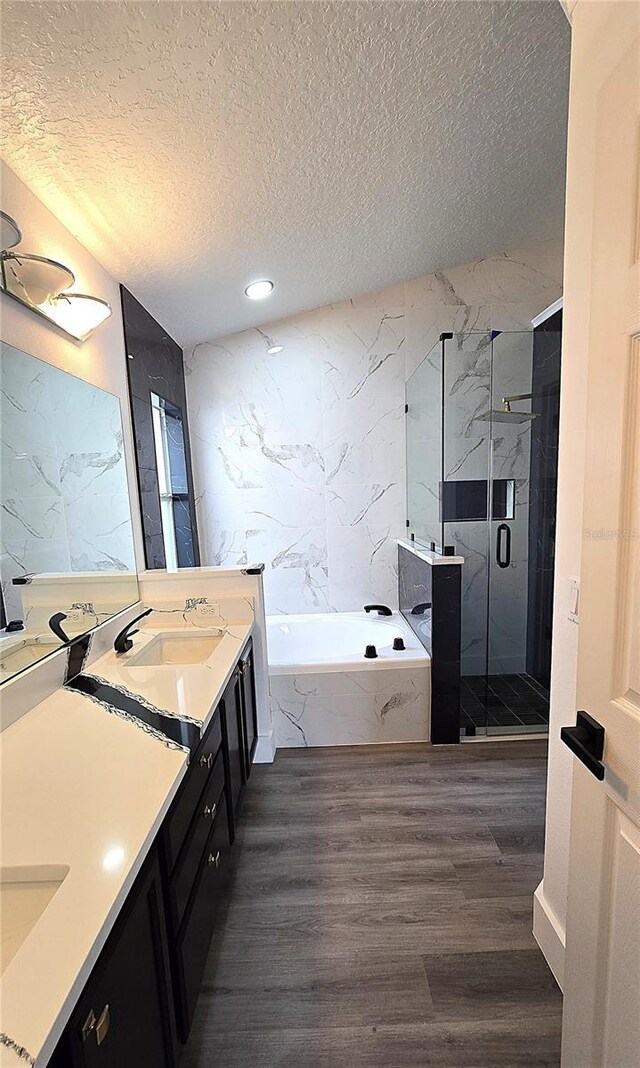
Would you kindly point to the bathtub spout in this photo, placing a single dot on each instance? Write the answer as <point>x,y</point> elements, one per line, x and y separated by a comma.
<point>381,609</point>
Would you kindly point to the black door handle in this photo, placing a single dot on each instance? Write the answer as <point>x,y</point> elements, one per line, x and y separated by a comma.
<point>503,560</point>
<point>586,741</point>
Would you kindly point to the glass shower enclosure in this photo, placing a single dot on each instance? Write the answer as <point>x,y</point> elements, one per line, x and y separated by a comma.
<point>482,412</point>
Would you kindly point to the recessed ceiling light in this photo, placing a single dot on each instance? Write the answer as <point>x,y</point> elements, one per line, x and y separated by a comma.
<point>274,350</point>
<point>259,290</point>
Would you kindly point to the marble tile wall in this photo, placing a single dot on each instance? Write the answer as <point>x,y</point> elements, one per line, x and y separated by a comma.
<point>64,491</point>
<point>299,458</point>
<point>351,708</point>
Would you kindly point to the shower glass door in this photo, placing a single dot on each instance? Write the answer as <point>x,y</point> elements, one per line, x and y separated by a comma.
<point>498,498</point>
<point>482,448</point>
<point>517,701</point>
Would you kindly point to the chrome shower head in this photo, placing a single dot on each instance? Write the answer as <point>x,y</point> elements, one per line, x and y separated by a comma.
<point>505,415</point>
<point>499,415</point>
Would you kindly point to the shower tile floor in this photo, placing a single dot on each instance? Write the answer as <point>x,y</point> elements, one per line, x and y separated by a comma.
<point>503,704</point>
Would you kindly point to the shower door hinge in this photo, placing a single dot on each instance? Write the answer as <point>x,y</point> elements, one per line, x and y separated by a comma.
<point>407,523</point>
<point>406,409</point>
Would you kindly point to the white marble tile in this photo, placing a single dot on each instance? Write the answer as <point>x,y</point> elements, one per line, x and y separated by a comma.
<point>100,535</point>
<point>371,681</point>
<point>65,498</point>
<point>297,589</point>
<point>279,548</point>
<point>466,285</point>
<point>289,449</point>
<point>369,504</point>
<point>360,546</point>
<point>27,556</point>
<point>394,708</point>
<point>528,273</point>
<point>377,455</point>
<point>351,587</point>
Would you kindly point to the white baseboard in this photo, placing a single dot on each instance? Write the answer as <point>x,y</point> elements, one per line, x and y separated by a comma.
<point>266,749</point>
<point>549,934</point>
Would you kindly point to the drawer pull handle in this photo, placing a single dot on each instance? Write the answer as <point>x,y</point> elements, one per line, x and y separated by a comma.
<point>206,760</point>
<point>214,860</point>
<point>210,811</point>
<point>88,1025</point>
<point>102,1026</point>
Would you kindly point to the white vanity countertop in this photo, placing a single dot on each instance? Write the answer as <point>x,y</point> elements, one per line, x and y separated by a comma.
<point>184,690</point>
<point>86,790</point>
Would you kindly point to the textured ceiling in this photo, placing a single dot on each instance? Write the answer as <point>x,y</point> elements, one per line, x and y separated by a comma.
<point>334,147</point>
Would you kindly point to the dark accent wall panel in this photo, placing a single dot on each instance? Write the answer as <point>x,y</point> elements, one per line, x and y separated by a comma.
<point>542,495</point>
<point>155,364</point>
<point>430,601</point>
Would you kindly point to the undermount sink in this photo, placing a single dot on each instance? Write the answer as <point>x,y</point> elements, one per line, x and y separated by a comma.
<point>24,895</point>
<point>22,655</point>
<point>193,648</point>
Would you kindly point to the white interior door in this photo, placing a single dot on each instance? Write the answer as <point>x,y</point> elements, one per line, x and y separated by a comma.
<point>601,1024</point>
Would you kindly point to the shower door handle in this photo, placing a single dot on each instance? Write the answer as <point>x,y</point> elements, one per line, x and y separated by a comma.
<point>503,545</point>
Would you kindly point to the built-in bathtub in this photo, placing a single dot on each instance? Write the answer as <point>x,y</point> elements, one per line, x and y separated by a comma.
<point>324,692</point>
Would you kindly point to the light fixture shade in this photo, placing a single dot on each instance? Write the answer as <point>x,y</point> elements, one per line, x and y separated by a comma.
<point>259,290</point>
<point>35,279</point>
<point>10,232</point>
<point>76,313</point>
<point>273,350</point>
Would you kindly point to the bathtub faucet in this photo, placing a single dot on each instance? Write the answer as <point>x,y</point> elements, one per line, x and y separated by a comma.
<point>381,609</point>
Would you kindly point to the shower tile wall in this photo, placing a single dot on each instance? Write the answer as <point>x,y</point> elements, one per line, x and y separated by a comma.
<point>299,458</point>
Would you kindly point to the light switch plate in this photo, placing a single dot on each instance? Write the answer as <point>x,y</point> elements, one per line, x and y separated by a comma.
<point>574,600</point>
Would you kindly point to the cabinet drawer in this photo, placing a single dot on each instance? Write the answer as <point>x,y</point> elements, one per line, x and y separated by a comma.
<point>186,870</point>
<point>193,941</point>
<point>179,820</point>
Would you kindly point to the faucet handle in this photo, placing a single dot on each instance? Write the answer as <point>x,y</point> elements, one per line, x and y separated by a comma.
<point>54,624</point>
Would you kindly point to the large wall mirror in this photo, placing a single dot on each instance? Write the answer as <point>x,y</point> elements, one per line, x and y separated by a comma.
<point>66,538</point>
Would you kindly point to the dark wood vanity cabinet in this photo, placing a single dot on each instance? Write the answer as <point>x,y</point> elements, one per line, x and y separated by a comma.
<point>125,1014</point>
<point>232,705</point>
<point>249,707</point>
<point>241,725</point>
<point>195,853</point>
<point>142,993</point>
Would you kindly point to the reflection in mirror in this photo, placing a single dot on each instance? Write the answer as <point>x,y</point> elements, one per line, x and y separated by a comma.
<point>168,438</point>
<point>66,539</point>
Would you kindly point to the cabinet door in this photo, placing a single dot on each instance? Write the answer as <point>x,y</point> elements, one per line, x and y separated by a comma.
<point>124,1018</point>
<point>195,936</point>
<point>232,702</point>
<point>249,709</point>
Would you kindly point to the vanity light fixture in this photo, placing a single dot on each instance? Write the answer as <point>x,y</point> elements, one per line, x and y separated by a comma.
<point>76,313</point>
<point>10,232</point>
<point>35,279</point>
<point>43,285</point>
<point>273,350</point>
<point>259,290</point>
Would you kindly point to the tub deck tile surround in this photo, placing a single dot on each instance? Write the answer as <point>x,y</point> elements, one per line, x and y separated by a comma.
<point>351,708</point>
<point>345,699</point>
<point>380,915</point>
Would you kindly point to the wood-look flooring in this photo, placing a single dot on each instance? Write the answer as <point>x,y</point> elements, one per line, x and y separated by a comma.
<point>380,915</point>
